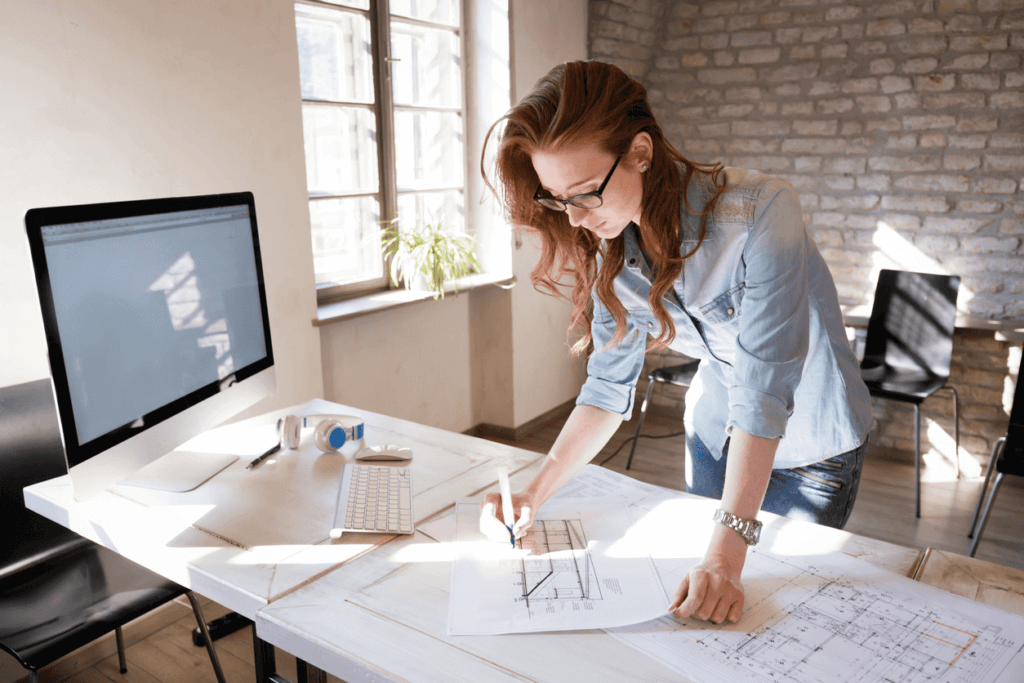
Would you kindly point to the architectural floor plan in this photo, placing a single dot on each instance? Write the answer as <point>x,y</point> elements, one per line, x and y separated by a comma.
<point>570,571</point>
<point>557,564</point>
<point>832,618</point>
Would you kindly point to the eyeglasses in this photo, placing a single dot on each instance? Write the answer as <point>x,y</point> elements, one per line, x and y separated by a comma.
<point>590,200</point>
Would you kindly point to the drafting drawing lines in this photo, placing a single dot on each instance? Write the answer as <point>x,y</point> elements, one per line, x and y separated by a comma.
<point>841,631</point>
<point>559,566</point>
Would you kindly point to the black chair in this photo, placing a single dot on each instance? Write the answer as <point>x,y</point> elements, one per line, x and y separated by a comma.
<point>59,591</point>
<point>679,375</point>
<point>909,347</point>
<point>1007,458</point>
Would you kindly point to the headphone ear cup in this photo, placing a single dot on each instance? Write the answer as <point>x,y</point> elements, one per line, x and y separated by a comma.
<point>330,436</point>
<point>288,430</point>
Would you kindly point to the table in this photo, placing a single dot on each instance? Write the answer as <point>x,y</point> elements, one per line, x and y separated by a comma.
<point>398,594</point>
<point>246,538</point>
<point>373,607</point>
<point>985,582</point>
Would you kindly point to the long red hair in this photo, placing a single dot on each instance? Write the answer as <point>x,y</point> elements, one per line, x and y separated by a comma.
<point>597,103</point>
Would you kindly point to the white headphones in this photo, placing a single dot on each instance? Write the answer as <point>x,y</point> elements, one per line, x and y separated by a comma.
<point>331,431</point>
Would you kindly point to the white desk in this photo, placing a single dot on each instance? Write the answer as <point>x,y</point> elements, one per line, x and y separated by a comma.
<point>366,607</point>
<point>246,538</point>
<point>383,617</point>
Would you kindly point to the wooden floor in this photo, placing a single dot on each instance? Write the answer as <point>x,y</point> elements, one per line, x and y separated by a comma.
<point>884,509</point>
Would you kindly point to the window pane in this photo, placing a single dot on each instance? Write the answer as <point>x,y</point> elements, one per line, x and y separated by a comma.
<point>341,149</point>
<point>358,4</point>
<point>437,11</point>
<point>428,149</point>
<point>418,208</point>
<point>335,62</point>
<point>429,71</point>
<point>346,240</point>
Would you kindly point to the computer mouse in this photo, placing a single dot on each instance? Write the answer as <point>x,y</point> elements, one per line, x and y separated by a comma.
<point>384,452</point>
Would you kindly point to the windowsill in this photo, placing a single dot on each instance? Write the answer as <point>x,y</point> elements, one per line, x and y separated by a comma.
<point>1008,331</point>
<point>393,298</point>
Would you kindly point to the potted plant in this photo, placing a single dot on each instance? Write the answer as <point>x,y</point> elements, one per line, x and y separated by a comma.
<point>426,256</point>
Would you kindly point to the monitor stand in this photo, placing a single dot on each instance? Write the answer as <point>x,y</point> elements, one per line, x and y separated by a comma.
<point>179,471</point>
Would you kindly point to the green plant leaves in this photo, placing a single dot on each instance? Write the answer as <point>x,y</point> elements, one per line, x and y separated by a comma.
<point>430,251</point>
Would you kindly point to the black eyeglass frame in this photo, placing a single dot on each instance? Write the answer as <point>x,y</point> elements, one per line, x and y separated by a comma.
<point>562,204</point>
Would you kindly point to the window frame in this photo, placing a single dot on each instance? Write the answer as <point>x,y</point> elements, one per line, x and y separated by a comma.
<point>384,108</point>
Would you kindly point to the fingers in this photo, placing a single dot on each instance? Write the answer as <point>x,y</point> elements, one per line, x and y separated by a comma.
<point>524,522</point>
<point>492,519</point>
<point>702,595</point>
<point>680,594</point>
<point>491,526</point>
<point>695,595</point>
<point>720,612</point>
<point>736,611</point>
<point>493,501</point>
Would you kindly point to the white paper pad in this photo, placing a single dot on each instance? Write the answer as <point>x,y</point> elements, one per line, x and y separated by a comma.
<point>831,617</point>
<point>441,529</point>
<point>579,567</point>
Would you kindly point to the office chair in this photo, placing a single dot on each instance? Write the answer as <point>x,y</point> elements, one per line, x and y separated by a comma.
<point>679,375</point>
<point>59,591</point>
<point>1007,458</point>
<point>909,347</point>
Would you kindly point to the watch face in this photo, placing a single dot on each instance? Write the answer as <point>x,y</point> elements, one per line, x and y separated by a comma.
<point>755,534</point>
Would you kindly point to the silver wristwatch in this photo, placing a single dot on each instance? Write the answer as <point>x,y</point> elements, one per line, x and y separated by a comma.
<point>748,529</point>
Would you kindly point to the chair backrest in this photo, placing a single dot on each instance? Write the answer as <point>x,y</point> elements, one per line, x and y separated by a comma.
<point>912,321</point>
<point>30,451</point>
<point>1011,459</point>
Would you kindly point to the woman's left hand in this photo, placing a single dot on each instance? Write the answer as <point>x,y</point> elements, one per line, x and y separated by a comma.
<point>711,590</point>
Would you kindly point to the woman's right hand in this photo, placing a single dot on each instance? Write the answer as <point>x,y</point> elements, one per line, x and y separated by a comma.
<point>492,522</point>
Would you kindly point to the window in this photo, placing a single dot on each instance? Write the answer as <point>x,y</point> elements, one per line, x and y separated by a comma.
<point>383,122</point>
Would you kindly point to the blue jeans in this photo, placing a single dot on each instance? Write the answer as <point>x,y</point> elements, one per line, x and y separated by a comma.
<point>822,493</point>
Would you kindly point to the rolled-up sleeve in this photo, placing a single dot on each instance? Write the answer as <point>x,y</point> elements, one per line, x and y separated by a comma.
<point>775,322</point>
<point>612,370</point>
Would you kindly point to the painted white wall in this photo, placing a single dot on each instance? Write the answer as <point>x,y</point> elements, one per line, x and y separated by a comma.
<point>119,99</point>
<point>109,100</point>
<point>544,374</point>
<point>488,355</point>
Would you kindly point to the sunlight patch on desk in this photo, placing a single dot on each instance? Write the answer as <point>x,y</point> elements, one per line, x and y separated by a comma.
<point>789,537</point>
<point>448,551</point>
<point>673,529</point>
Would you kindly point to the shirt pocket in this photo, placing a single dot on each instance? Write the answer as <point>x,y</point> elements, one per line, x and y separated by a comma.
<point>725,308</point>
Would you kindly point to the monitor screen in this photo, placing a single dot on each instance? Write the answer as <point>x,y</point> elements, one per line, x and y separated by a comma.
<point>150,308</point>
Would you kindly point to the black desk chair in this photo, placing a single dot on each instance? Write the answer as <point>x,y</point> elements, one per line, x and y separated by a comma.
<point>59,591</point>
<point>1007,458</point>
<point>679,375</point>
<point>909,346</point>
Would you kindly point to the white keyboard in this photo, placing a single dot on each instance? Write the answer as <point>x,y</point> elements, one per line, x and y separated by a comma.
<point>375,499</point>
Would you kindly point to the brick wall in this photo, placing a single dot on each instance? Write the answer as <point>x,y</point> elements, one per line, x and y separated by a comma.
<point>901,125</point>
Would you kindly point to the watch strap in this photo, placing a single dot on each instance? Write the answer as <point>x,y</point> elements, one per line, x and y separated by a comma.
<point>748,529</point>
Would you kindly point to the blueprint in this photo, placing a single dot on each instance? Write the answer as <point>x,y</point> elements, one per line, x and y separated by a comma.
<point>833,618</point>
<point>560,576</point>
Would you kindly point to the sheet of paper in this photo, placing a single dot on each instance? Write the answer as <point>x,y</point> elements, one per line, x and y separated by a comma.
<point>578,567</point>
<point>595,482</point>
<point>831,617</point>
<point>441,529</point>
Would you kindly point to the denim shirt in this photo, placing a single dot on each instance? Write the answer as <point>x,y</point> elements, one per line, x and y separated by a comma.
<point>757,305</point>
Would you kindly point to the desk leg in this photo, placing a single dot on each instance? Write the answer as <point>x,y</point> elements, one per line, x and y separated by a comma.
<point>266,667</point>
<point>307,673</point>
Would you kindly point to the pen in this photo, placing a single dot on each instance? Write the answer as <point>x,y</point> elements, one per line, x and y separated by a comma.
<point>263,457</point>
<point>506,502</point>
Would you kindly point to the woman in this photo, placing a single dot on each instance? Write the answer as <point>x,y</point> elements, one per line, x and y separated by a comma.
<point>712,262</point>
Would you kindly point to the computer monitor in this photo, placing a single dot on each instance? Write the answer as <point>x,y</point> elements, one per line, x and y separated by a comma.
<point>155,315</point>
